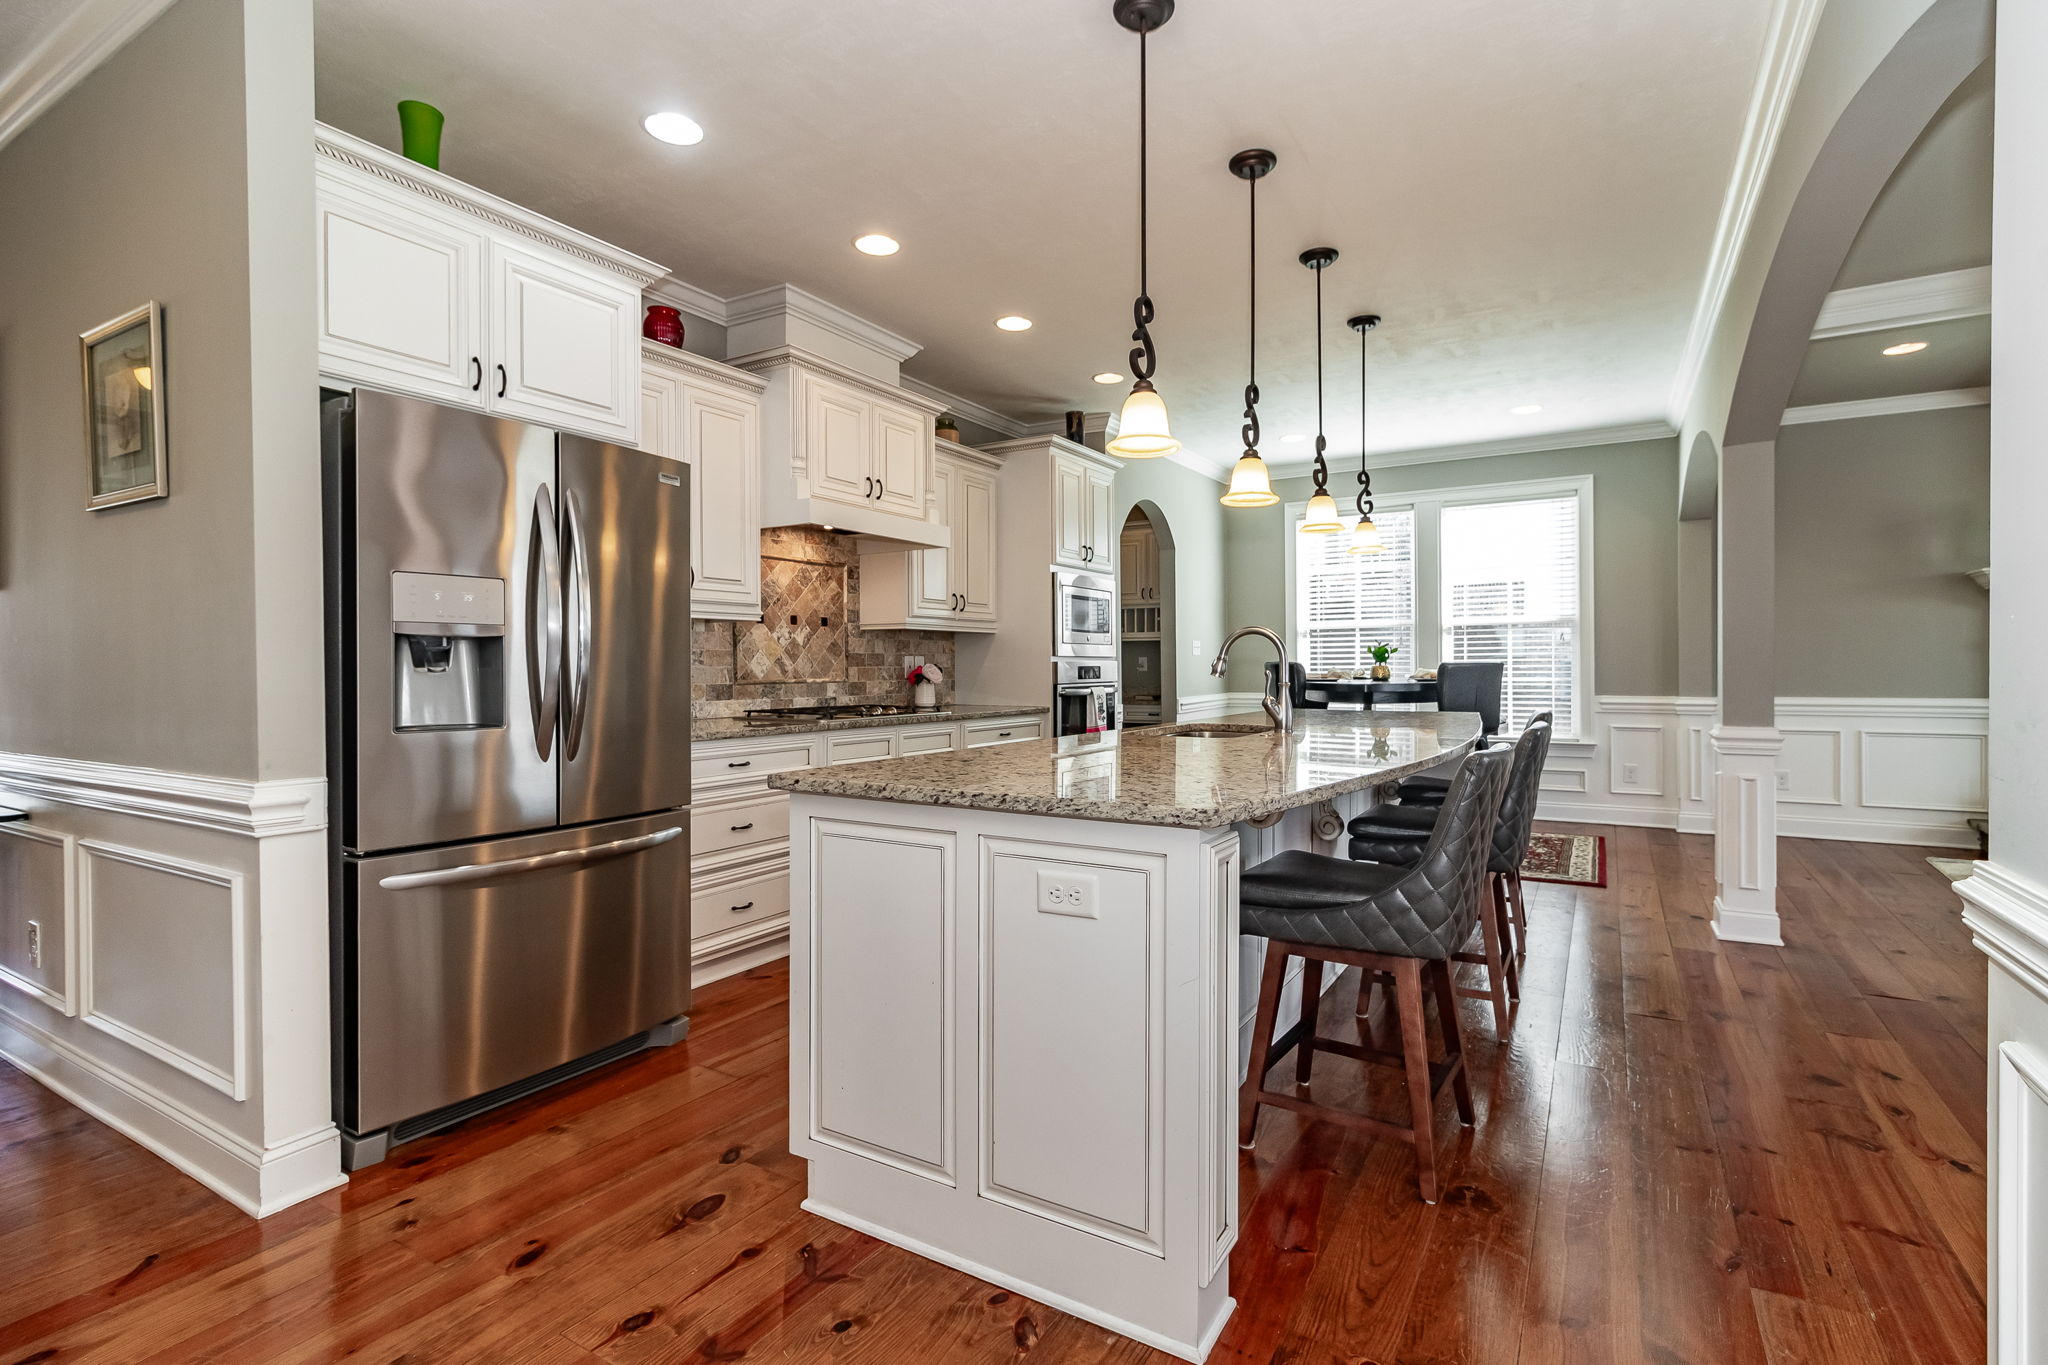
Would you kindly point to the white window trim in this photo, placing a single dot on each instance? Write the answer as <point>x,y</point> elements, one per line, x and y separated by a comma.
<point>1428,505</point>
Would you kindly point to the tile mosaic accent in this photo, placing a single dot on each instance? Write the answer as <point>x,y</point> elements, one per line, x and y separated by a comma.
<point>731,667</point>
<point>801,636</point>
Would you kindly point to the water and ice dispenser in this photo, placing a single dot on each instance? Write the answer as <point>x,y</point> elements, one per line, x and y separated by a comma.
<point>447,652</point>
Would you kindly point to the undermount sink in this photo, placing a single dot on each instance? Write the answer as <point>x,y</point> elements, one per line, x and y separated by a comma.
<point>1208,731</point>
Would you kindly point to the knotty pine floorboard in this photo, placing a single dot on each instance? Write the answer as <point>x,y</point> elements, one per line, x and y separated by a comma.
<point>1687,1152</point>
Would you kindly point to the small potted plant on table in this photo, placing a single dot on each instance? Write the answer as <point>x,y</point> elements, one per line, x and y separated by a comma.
<point>1382,652</point>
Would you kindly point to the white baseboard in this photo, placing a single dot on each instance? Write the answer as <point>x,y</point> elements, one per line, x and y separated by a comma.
<point>1746,926</point>
<point>739,960</point>
<point>1210,705</point>
<point>256,1180</point>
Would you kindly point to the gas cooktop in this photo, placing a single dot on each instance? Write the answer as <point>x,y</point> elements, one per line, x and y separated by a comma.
<point>779,714</point>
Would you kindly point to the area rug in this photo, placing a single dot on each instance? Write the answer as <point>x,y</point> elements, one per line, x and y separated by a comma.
<point>1955,869</point>
<point>1573,859</point>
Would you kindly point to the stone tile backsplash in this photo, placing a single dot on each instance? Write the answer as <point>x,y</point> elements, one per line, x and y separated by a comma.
<point>814,576</point>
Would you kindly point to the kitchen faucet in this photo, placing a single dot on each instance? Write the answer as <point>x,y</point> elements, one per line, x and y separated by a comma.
<point>1282,710</point>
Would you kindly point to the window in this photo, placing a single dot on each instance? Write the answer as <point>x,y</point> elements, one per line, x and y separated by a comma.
<point>1481,574</point>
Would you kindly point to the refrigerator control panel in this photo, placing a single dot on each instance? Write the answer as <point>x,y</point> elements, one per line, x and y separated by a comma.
<point>437,599</point>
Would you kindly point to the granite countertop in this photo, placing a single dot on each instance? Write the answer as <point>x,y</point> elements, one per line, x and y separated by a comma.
<point>1153,777</point>
<point>707,728</point>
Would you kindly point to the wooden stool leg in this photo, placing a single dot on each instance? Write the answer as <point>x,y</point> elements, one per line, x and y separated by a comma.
<point>1262,1041</point>
<point>1454,1038</point>
<point>1504,917</point>
<point>1366,982</point>
<point>1311,1006</point>
<point>1415,1055</point>
<point>1521,914</point>
<point>1496,971</point>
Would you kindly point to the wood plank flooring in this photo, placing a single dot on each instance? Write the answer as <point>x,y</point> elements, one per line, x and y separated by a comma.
<point>1687,1152</point>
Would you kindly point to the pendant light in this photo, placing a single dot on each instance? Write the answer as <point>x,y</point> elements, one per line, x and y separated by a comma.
<point>1365,537</point>
<point>1320,516</point>
<point>1141,429</point>
<point>1250,484</point>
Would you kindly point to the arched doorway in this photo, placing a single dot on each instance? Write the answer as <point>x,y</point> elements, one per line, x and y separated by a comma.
<point>1145,579</point>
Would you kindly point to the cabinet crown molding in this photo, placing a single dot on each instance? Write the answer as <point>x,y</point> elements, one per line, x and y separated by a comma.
<point>332,144</point>
<point>700,367</point>
<point>1052,445</point>
<point>787,299</point>
<point>796,357</point>
<point>965,453</point>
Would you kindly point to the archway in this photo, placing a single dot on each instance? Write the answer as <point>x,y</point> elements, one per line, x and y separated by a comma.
<point>1151,620</point>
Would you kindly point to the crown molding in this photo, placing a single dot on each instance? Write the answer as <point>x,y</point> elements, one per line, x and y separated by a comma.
<point>787,298</point>
<point>1886,407</point>
<point>974,412</point>
<point>1479,450</point>
<point>700,367</point>
<point>796,357</point>
<point>688,297</point>
<point>1777,80</point>
<point>91,33</point>
<point>1905,303</point>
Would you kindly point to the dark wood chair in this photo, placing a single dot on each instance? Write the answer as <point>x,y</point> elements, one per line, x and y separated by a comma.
<point>1403,923</point>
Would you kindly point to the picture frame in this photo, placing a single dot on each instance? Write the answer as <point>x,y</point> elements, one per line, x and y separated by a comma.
<point>122,368</point>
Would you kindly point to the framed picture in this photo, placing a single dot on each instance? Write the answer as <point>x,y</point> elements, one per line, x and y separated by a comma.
<point>124,408</point>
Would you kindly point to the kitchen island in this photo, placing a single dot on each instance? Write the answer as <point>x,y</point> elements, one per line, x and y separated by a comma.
<point>1015,995</point>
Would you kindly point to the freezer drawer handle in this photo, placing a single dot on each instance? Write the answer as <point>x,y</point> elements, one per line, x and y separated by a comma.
<point>471,873</point>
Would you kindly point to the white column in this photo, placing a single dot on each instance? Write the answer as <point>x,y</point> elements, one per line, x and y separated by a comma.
<point>1746,833</point>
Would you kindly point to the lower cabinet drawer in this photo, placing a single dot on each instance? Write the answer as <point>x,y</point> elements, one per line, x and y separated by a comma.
<point>1005,731</point>
<point>750,762</point>
<point>731,905</point>
<point>927,741</point>
<point>861,748</point>
<point>758,820</point>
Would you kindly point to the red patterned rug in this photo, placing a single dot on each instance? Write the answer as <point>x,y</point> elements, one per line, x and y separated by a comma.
<point>1574,859</point>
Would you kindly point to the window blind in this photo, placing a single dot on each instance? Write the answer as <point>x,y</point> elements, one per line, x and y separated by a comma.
<point>1347,603</point>
<point>1510,587</point>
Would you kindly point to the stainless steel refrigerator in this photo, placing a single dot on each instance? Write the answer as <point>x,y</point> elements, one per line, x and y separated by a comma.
<point>509,704</point>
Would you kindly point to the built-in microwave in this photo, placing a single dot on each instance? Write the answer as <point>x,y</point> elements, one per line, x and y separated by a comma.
<point>1084,697</point>
<point>1084,615</point>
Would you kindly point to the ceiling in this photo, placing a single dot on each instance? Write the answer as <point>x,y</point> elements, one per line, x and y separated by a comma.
<point>1528,193</point>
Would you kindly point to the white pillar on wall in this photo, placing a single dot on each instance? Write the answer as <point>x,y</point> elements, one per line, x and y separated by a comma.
<point>1746,832</point>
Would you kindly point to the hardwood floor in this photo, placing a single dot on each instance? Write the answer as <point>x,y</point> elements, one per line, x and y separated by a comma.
<point>1687,1151</point>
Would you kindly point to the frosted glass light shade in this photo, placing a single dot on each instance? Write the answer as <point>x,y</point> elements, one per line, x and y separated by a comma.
<point>1250,484</point>
<point>1320,517</point>
<point>1141,432</point>
<point>1365,538</point>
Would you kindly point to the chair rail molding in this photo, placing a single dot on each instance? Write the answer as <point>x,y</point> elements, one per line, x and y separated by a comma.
<point>258,809</point>
<point>1746,833</point>
<point>2008,919</point>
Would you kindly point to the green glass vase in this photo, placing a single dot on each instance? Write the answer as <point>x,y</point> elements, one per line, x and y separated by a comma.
<point>419,130</point>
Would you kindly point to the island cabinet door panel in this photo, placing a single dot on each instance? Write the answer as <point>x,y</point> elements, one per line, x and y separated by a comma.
<point>881,1037</point>
<point>1073,1063</point>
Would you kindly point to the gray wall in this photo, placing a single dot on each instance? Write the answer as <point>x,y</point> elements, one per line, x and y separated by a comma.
<point>1635,562</point>
<point>183,633</point>
<point>1878,522</point>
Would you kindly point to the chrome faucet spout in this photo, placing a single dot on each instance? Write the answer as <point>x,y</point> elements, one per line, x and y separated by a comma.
<point>1280,710</point>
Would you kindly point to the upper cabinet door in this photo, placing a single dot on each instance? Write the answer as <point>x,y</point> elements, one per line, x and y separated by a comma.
<point>660,400</point>
<point>1130,573</point>
<point>721,434</point>
<point>564,350</point>
<point>400,304</point>
<point>1070,512</point>
<point>903,452</point>
<point>1101,531</point>
<point>973,556</point>
<point>837,441</point>
<point>933,583</point>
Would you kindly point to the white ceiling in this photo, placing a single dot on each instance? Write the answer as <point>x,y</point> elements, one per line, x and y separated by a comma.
<point>1528,192</point>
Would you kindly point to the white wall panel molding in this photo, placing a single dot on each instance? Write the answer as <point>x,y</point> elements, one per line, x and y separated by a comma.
<point>1912,302</point>
<point>2008,919</point>
<point>1855,408</point>
<point>2020,1184</point>
<point>1746,833</point>
<point>92,32</point>
<point>259,809</point>
<point>39,882</point>
<point>156,975</point>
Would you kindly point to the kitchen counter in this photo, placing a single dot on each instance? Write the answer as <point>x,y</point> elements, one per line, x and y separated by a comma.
<point>1156,776</point>
<point>704,729</point>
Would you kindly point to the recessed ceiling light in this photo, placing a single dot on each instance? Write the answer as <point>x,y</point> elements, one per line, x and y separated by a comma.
<point>1905,348</point>
<point>1013,323</point>
<point>1525,409</point>
<point>1109,377</point>
<point>680,129</point>
<point>1293,437</point>
<point>877,244</point>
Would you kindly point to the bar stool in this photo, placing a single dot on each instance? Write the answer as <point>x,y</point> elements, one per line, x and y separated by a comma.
<point>1399,835</point>
<point>1402,922</point>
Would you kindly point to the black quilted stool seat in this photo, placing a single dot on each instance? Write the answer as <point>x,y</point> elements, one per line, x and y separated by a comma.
<point>1459,687</point>
<point>1397,835</point>
<point>1400,922</point>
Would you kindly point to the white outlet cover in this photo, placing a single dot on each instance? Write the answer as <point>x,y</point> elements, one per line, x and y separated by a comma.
<point>1196,649</point>
<point>1069,892</point>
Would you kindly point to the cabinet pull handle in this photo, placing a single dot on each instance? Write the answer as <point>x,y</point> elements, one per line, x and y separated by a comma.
<point>743,763</point>
<point>1002,734</point>
<point>880,488</point>
<point>501,381</point>
<point>476,384</point>
<point>737,828</point>
<point>748,906</point>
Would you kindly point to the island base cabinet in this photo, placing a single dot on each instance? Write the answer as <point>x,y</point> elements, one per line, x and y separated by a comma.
<point>1014,1051</point>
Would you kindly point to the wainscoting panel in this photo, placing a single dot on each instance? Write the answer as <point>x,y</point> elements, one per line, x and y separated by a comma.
<point>1635,758</point>
<point>1916,770</point>
<point>1811,762</point>
<point>165,965</point>
<point>38,915</point>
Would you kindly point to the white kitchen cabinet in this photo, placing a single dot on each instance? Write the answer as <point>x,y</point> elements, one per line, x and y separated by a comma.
<point>950,589</point>
<point>842,449</point>
<point>1137,568</point>
<point>709,416</point>
<point>1083,537</point>
<point>433,288</point>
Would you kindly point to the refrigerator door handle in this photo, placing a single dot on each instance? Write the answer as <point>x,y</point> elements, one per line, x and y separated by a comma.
<point>471,873</point>
<point>576,563</point>
<point>544,622</point>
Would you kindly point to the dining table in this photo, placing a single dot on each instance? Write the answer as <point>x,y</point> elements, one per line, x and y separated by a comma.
<point>1369,694</point>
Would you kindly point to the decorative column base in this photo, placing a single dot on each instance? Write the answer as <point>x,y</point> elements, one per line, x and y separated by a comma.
<point>1746,833</point>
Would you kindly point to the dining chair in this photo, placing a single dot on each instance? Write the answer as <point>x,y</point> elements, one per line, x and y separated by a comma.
<point>1307,696</point>
<point>1460,687</point>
